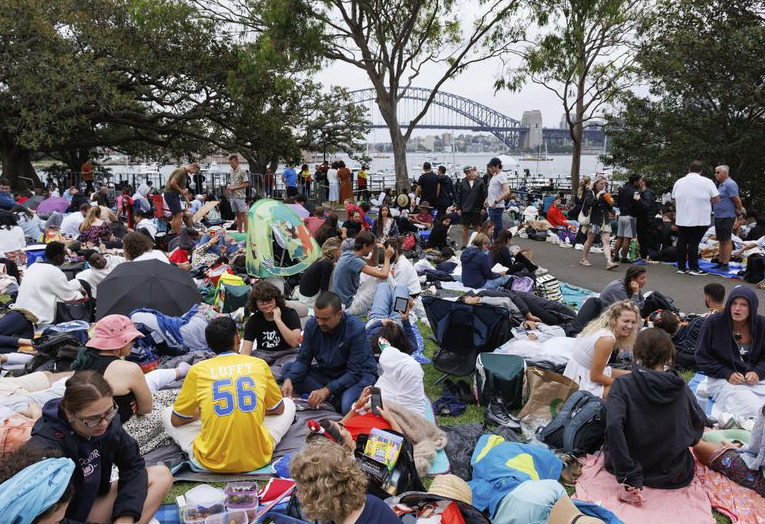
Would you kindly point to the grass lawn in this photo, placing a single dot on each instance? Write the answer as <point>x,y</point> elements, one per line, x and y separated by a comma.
<point>473,413</point>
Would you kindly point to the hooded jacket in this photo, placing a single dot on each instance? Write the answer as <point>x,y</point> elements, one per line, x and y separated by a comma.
<point>94,458</point>
<point>652,419</point>
<point>717,353</point>
<point>476,267</point>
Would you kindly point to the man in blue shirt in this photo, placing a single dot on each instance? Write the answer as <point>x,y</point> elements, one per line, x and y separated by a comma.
<point>344,361</point>
<point>726,210</point>
<point>289,177</point>
<point>6,199</point>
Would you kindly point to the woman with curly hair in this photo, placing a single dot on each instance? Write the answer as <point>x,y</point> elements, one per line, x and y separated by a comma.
<point>614,330</point>
<point>652,418</point>
<point>332,487</point>
<point>272,326</point>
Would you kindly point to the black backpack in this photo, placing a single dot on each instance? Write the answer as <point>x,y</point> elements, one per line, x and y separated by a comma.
<point>579,427</point>
<point>755,269</point>
<point>656,301</point>
<point>408,480</point>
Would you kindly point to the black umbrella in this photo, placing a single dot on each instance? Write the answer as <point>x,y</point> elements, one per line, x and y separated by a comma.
<point>147,284</point>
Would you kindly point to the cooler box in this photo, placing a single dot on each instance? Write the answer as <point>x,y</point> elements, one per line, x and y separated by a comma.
<point>34,253</point>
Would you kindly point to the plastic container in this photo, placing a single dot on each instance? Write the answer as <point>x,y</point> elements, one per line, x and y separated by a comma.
<point>236,516</point>
<point>242,496</point>
<point>202,502</point>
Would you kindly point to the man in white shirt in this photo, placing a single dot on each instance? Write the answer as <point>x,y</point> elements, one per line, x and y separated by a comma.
<point>694,196</point>
<point>143,224</point>
<point>499,190</point>
<point>70,225</point>
<point>100,267</point>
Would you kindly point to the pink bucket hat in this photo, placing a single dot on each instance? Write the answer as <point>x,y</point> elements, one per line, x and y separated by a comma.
<point>113,332</point>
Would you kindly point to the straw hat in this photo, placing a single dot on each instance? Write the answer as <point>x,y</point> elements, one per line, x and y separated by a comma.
<point>453,487</point>
<point>564,512</point>
<point>402,200</point>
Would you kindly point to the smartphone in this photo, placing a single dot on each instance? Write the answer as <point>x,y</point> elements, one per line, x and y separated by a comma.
<point>401,304</point>
<point>376,400</point>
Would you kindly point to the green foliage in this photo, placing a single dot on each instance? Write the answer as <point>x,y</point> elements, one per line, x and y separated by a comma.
<point>582,53</point>
<point>707,94</point>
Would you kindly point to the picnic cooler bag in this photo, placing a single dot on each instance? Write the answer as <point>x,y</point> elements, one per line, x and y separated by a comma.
<point>548,287</point>
<point>579,427</point>
<point>500,376</point>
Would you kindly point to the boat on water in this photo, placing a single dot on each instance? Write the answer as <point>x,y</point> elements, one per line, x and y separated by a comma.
<point>539,156</point>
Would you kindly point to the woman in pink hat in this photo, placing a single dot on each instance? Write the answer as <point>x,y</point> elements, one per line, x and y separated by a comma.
<point>112,340</point>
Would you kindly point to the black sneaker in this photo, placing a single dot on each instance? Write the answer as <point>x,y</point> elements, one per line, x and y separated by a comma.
<point>683,271</point>
<point>497,415</point>
<point>465,392</point>
<point>697,272</point>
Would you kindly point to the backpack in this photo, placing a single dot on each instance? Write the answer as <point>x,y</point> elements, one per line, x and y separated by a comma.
<point>755,269</point>
<point>655,301</point>
<point>579,427</point>
<point>231,293</point>
<point>548,287</point>
<point>498,375</point>
<point>408,480</point>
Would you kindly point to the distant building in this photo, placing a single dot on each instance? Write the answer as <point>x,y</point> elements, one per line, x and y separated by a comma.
<point>532,120</point>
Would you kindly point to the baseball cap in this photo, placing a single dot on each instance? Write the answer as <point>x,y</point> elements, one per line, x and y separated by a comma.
<point>113,332</point>
<point>495,162</point>
<point>468,168</point>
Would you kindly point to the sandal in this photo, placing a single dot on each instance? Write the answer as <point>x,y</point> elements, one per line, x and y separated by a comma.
<point>585,263</point>
<point>611,266</point>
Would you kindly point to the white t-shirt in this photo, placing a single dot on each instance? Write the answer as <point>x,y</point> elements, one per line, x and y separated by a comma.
<point>148,225</point>
<point>44,285</point>
<point>332,176</point>
<point>693,194</point>
<point>496,190</point>
<point>95,276</point>
<point>405,274</point>
<point>12,239</point>
<point>152,255</point>
<point>401,380</point>
<point>70,225</point>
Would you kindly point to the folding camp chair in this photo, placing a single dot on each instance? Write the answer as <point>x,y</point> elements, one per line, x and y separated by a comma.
<point>462,331</point>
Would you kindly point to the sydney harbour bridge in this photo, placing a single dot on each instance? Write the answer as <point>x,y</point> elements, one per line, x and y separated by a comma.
<point>453,112</point>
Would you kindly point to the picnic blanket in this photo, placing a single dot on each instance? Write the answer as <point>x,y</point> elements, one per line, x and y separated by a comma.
<point>575,296</point>
<point>661,505</point>
<point>741,505</point>
<point>291,443</point>
<point>733,269</point>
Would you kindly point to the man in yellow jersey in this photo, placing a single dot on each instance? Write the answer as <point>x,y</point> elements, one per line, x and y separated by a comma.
<point>230,413</point>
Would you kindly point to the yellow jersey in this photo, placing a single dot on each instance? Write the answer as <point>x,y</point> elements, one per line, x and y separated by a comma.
<point>233,393</point>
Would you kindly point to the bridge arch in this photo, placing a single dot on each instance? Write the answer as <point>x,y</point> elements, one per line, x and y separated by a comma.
<point>480,117</point>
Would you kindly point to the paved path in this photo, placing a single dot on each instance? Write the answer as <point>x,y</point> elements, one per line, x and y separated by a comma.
<point>686,290</point>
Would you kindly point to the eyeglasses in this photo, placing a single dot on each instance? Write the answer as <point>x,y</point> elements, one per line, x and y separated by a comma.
<point>91,422</point>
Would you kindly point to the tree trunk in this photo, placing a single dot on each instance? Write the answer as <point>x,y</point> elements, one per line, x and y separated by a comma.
<point>399,159</point>
<point>577,132</point>
<point>18,169</point>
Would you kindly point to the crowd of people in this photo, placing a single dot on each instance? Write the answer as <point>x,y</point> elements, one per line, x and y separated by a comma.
<point>343,337</point>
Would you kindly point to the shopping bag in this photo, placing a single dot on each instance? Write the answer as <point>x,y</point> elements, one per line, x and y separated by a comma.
<point>546,391</point>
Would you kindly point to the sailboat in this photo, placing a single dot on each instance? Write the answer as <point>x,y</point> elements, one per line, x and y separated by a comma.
<point>539,157</point>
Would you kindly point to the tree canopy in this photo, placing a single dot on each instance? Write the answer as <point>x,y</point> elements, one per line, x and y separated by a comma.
<point>150,78</point>
<point>703,62</point>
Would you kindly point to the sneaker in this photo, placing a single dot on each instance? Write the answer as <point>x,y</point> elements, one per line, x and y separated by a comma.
<point>540,271</point>
<point>565,244</point>
<point>579,247</point>
<point>697,272</point>
<point>596,249</point>
<point>683,271</point>
<point>496,414</point>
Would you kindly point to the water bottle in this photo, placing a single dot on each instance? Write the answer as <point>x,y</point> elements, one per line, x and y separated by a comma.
<point>633,250</point>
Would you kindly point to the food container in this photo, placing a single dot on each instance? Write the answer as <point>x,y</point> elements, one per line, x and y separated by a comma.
<point>201,502</point>
<point>243,496</point>
<point>236,516</point>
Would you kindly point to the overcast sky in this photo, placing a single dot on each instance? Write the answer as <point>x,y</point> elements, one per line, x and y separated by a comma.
<point>477,83</point>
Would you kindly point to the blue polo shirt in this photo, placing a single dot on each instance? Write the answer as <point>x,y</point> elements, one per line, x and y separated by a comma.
<point>290,177</point>
<point>725,208</point>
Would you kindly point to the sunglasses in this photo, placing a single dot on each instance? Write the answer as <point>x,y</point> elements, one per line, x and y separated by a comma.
<point>92,422</point>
